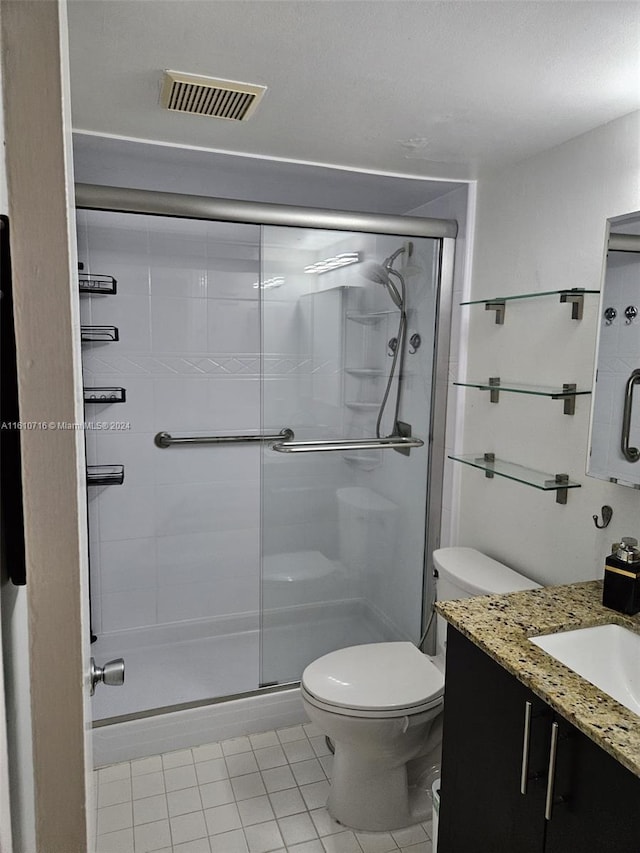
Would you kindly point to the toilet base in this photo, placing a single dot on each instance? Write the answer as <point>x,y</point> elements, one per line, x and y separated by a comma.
<point>384,801</point>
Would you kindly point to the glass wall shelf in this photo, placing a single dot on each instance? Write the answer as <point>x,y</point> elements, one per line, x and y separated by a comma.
<point>97,284</point>
<point>574,296</point>
<point>560,483</point>
<point>104,334</point>
<point>567,392</point>
<point>105,475</point>
<point>104,395</point>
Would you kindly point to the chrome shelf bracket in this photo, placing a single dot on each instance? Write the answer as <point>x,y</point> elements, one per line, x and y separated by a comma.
<point>568,396</point>
<point>561,494</point>
<point>577,303</point>
<point>499,306</point>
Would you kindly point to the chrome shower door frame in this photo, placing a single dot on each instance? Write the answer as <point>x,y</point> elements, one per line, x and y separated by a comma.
<point>154,203</point>
<point>437,435</point>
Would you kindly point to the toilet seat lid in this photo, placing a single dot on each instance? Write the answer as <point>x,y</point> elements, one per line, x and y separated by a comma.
<point>374,677</point>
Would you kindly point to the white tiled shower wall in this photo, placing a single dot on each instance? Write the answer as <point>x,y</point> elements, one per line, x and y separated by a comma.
<point>185,309</point>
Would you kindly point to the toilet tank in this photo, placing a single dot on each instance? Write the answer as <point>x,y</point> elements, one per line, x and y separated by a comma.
<point>463,572</point>
<point>367,530</point>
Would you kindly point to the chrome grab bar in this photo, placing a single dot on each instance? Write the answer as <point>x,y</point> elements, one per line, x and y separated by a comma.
<point>390,442</point>
<point>164,439</point>
<point>630,453</point>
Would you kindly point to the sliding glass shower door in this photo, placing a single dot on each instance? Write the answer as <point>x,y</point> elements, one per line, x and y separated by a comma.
<point>224,557</point>
<point>343,530</point>
<point>175,540</point>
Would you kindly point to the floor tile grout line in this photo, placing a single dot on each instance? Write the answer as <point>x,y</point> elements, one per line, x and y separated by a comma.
<point>289,764</point>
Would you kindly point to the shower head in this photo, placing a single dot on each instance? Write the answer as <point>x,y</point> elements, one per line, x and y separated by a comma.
<point>381,274</point>
<point>375,272</point>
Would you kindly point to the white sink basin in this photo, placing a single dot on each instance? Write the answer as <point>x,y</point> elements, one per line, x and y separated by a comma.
<point>608,656</point>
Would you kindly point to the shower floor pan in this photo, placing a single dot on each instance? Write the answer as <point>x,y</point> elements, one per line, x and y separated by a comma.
<point>203,668</point>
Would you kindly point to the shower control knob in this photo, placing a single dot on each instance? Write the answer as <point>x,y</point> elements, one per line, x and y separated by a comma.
<point>112,673</point>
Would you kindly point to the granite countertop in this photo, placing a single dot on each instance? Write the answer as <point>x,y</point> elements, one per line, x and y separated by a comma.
<point>501,624</point>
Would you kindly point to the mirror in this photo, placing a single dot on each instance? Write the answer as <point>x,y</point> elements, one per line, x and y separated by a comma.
<point>615,411</point>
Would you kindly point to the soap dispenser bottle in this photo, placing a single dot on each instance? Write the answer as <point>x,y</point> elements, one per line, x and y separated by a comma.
<point>622,577</point>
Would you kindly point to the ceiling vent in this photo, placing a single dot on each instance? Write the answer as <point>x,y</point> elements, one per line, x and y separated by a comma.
<point>206,96</point>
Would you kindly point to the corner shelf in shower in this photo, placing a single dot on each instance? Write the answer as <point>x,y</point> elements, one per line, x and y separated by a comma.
<point>103,334</point>
<point>364,372</point>
<point>104,395</point>
<point>568,392</point>
<point>560,483</point>
<point>363,407</point>
<point>334,289</point>
<point>105,475</point>
<point>364,460</point>
<point>97,284</point>
<point>574,296</point>
<point>369,318</point>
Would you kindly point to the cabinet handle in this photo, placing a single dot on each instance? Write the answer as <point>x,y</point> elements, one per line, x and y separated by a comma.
<point>524,770</point>
<point>551,774</point>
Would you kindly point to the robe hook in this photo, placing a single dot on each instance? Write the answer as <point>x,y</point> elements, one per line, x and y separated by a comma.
<point>607,514</point>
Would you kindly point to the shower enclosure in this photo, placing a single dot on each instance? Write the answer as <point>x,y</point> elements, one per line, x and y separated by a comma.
<point>265,446</point>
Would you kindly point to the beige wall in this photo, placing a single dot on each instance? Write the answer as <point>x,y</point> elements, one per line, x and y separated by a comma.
<point>541,226</point>
<point>6,845</point>
<point>37,126</point>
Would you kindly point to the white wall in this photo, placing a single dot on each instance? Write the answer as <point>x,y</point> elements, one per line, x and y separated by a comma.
<point>458,205</point>
<point>151,165</point>
<point>541,226</point>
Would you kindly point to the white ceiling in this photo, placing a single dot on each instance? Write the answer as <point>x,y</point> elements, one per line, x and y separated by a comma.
<point>418,87</point>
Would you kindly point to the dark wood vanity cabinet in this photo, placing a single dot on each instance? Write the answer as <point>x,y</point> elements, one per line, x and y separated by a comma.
<point>596,802</point>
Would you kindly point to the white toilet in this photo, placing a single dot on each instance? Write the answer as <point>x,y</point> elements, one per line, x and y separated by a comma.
<point>377,703</point>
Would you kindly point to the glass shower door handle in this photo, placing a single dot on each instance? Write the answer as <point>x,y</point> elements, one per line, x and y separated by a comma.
<point>112,674</point>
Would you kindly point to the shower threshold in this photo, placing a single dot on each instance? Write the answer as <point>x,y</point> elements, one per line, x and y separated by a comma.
<point>200,670</point>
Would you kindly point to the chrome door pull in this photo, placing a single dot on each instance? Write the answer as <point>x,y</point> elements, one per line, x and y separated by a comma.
<point>112,673</point>
<point>524,770</point>
<point>630,453</point>
<point>551,773</point>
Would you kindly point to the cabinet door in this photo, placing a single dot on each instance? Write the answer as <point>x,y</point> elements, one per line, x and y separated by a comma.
<point>482,808</point>
<point>597,800</point>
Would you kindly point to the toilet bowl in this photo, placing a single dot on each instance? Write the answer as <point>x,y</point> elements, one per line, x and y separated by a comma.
<point>377,703</point>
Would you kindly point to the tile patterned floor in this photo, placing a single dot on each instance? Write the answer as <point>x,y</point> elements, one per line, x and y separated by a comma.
<point>265,793</point>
